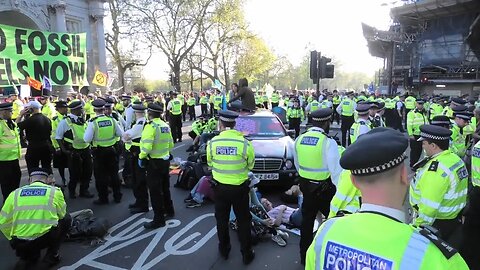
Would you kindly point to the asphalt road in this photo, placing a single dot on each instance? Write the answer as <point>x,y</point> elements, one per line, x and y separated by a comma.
<point>188,241</point>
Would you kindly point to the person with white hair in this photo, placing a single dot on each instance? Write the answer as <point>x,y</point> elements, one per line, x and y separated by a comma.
<point>34,217</point>
<point>38,129</point>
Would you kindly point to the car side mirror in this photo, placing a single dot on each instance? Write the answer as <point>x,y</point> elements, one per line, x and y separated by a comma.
<point>291,133</point>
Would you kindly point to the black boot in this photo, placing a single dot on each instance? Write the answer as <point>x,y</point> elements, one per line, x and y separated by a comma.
<point>248,256</point>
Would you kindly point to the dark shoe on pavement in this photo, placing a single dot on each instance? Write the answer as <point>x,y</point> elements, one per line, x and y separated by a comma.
<point>137,210</point>
<point>51,259</point>
<point>188,199</point>
<point>224,252</point>
<point>193,204</point>
<point>100,202</point>
<point>86,194</point>
<point>72,195</point>
<point>117,198</point>
<point>153,225</point>
<point>248,257</point>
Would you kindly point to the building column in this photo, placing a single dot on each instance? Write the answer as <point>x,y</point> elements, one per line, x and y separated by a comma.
<point>60,21</point>
<point>102,57</point>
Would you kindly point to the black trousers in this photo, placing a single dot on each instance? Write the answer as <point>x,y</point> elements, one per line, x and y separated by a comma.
<point>80,166</point>
<point>127,167</point>
<point>211,110</point>
<point>10,175</point>
<point>415,150</point>
<point>226,197</point>
<point>470,231</point>
<point>336,116</point>
<point>139,180</point>
<point>184,112</point>
<point>265,105</point>
<point>105,170</point>
<point>204,109</point>
<point>347,122</point>
<point>30,250</point>
<point>176,126</point>
<point>158,182</point>
<point>37,154</point>
<point>316,197</point>
<point>294,123</point>
<point>191,113</point>
<point>274,104</point>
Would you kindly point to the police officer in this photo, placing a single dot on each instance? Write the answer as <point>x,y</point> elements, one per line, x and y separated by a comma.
<point>217,102</point>
<point>442,121</point>
<point>449,110</point>
<point>231,157</point>
<point>11,151</point>
<point>311,107</point>
<point>275,99</point>
<point>461,118</point>
<point>336,101</point>
<point>60,160</point>
<point>362,125</point>
<point>378,120</point>
<point>155,146</point>
<point>204,103</point>
<point>70,137</point>
<point>409,104</point>
<point>38,129</point>
<point>470,231</point>
<point>383,181</point>
<point>197,127</point>
<point>131,138</point>
<point>191,107</point>
<point>175,109</point>
<point>48,109</point>
<point>128,114</point>
<point>316,158</point>
<point>347,199</point>
<point>34,218</point>
<point>345,109</point>
<point>438,192</point>
<point>181,97</point>
<point>415,119</point>
<point>103,133</point>
<point>295,117</point>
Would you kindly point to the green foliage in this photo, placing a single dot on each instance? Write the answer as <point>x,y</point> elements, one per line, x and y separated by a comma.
<point>255,59</point>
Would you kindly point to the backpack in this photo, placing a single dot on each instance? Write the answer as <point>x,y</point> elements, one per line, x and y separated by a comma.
<point>88,228</point>
<point>189,175</point>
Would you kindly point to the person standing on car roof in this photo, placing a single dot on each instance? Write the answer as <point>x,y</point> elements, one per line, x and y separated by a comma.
<point>231,157</point>
<point>316,158</point>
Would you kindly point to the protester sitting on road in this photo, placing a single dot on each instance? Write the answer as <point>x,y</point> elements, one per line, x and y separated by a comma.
<point>201,191</point>
<point>282,214</point>
<point>34,218</point>
<point>262,224</point>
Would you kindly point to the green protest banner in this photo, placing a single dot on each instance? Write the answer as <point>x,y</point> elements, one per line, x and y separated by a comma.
<point>62,57</point>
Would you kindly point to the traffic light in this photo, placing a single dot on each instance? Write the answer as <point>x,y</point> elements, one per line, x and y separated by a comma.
<point>329,71</point>
<point>314,66</point>
<point>171,79</point>
<point>176,80</point>
<point>322,67</point>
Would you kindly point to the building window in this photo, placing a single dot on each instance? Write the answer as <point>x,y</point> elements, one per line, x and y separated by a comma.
<point>73,26</point>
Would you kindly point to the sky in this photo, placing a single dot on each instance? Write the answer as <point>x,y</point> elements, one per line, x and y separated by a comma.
<point>294,27</point>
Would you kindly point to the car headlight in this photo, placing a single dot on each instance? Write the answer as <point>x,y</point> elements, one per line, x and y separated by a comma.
<point>288,164</point>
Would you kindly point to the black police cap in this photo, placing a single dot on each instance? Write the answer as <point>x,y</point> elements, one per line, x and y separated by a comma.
<point>378,150</point>
<point>363,108</point>
<point>420,101</point>
<point>6,106</point>
<point>76,104</point>
<point>61,104</point>
<point>152,107</point>
<point>461,111</point>
<point>440,120</point>
<point>39,171</point>
<point>138,107</point>
<point>322,115</point>
<point>98,103</point>
<point>434,133</point>
<point>227,116</point>
<point>459,101</point>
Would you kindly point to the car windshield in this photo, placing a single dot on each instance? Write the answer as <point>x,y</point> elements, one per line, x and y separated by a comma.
<point>260,126</point>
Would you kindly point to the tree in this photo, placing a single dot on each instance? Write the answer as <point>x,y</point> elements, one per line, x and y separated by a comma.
<point>123,29</point>
<point>254,60</point>
<point>172,26</point>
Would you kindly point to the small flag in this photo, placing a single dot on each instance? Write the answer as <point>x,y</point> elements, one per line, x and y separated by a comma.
<point>218,84</point>
<point>100,79</point>
<point>224,102</point>
<point>47,84</point>
<point>34,84</point>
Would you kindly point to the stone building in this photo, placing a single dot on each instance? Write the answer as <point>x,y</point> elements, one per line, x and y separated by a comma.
<point>71,16</point>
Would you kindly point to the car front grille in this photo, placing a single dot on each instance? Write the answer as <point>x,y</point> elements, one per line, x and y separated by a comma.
<point>267,164</point>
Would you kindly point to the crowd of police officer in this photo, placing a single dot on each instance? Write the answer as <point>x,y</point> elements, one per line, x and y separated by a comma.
<point>370,191</point>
